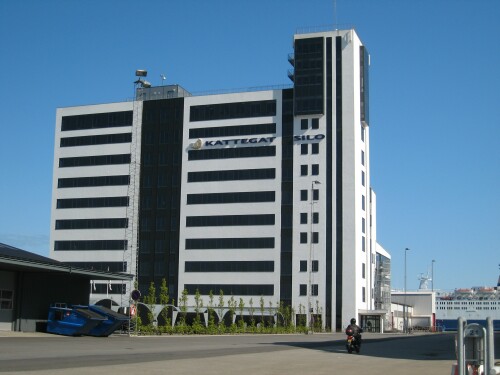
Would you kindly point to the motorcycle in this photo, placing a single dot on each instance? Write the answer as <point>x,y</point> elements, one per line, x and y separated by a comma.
<point>353,343</point>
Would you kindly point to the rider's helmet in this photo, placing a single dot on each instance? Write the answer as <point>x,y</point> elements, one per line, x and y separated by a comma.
<point>353,321</point>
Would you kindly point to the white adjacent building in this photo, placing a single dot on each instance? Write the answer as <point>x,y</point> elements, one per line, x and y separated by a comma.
<point>258,194</point>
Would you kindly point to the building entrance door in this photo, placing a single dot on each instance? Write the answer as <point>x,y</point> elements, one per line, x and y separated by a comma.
<point>370,323</point>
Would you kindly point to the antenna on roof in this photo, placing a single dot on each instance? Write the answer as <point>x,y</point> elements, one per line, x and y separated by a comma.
<point>335,14</point>
<point>163,78</point>
<point>142,73</point>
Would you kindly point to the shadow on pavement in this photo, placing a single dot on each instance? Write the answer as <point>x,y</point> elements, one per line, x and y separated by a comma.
<point>417,347</point>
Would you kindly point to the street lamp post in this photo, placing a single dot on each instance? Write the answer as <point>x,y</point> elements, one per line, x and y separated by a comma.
<point>405,308</point>
<point>432,275</point>
<point>309,265</point>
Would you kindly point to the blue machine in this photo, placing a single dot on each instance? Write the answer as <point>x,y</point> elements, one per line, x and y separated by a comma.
<point>113,321</point>
<point>71,321</point>
<point>80,320</point>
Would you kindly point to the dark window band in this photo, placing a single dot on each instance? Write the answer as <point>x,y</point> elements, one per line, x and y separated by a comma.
<point>233,175</point>
<point>103,139</point>
<point>87,161</point>
<point>231,289</point>
<point>88,245</point>
<point>96,121</point>
<point>229,131</point>
<point>101,266</point>
<point>93,181</point>
<point>230,266</point>
<point>92,202</point>
<point>232,110</point>
<point>92,223</point>
<point>229,220</point>
<point>232,153</point>
<point>230,243</point>
<point>241,197</point>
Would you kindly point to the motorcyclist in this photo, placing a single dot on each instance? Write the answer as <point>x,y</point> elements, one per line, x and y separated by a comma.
<point>356,331</point>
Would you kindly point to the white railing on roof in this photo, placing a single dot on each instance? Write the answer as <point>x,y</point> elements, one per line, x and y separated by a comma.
<point>321,29</point>
<point>246,89</point>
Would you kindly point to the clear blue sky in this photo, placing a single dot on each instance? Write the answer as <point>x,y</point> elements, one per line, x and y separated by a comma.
<point>434,90</point>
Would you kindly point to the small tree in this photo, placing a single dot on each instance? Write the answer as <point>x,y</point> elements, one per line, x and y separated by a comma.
<point>232,310</point>
<point>184,300</point>
<point>150,301</point>
<point>197,326</point>
<point>164,300</point>
<point>211,317</point>
<point>270,313</point>
<point>220,308</point>
<point>261,312</point>
<point>252,310</point>
<point>241,323</point>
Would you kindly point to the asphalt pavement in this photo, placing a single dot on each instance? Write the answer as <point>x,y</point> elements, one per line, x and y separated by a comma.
<point>429,354</point>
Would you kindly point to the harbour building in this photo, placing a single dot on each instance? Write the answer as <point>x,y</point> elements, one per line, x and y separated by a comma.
<point>258,193</point>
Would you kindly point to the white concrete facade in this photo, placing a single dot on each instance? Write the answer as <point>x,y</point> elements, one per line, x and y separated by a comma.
<point>346,266</point>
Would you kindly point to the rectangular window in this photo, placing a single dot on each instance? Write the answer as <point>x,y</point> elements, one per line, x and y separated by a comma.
<point>315,266</point>
<point>303,148</point>
<point>101,139</point>
<point>362,157</point>
<point>229,266</point>
<point>362,133</point>
<point>363,275</point>
<point>303,289</point>
<point>92,223</point>
<point>303,266</point>
<point>232,175</point>
<point>303,218</point>
<point>315,170</point>
<point>315,238</point>
<point>315,217</point>
<point>363,243</point>
<point>363,178</point>
<point>303,124</point>
<point>96,121</point>
<point>363,294</point>
<point>314,289</point>
<point>87,245</point>
<point>86,161</point>
<point>227,111</point>
<point>303,195</point>
<point>315,148</point>
<point>231,289</point>
<point>303,237</point>
<point>231,131</point>
<point>229,220</point>
<point>6,299</point>
<point>93,181</point>
<point>315,195</point>
<point>315,123</point>
<point>363,225</point>
<point>236,197</point>
<point>230,243</point>
<point>303,170</point>
<point>363,202</point>
<point>232,153</point>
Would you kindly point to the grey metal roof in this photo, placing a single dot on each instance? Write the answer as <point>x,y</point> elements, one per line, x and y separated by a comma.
<point>14,259</point>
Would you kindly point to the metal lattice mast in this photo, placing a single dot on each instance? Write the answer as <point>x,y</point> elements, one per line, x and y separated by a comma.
<point>132,247</point>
